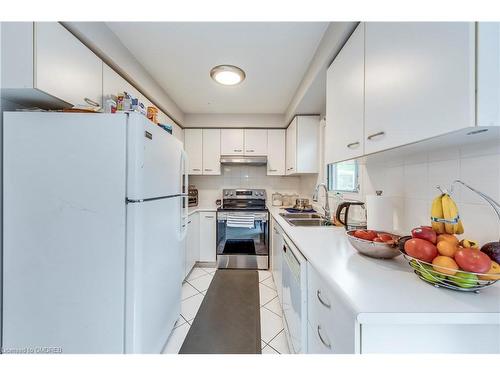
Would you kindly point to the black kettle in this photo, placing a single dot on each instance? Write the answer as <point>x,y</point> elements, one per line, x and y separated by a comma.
<point>342,215</point>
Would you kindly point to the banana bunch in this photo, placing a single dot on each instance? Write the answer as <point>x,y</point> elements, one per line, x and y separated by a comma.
<point>444,215</point>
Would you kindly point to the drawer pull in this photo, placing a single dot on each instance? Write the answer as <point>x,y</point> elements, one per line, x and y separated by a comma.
<point>327,305</point>
<point>273,170</point>
<point>91,102</point>
<point>208,170</point>
<point>370,137</point>
<point>209,217</point>
<point>325,343</point>
<point>250,151</point>
<point>196,169</point>
<point>237,150</point>
<point>353,145</point>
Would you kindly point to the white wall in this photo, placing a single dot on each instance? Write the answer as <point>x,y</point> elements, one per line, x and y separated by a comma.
<point>209,120</point>
<point>412,180</point>
<point>233,176</point>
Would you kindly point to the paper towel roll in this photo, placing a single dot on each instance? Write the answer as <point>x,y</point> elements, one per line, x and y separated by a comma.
<point>379,213</point>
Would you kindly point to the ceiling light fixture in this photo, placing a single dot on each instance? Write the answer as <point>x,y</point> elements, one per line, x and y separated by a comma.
<point>228,75</point>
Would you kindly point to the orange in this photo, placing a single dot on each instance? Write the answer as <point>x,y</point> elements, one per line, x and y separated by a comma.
<point>494,270</point>
<point>445,265</point>
<point>448,237</point>
<point>447,248</point>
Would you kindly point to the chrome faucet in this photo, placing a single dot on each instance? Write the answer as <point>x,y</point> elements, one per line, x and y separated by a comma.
<point>327,205</point>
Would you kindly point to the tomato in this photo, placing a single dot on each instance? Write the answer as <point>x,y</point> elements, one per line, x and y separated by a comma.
<point>378,239</point>
<point>421,249</point>
<point>368,235</point>
<point>385,237</point>
<point>473,260</point>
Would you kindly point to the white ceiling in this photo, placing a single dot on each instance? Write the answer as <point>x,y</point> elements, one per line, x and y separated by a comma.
<point>179,55</point>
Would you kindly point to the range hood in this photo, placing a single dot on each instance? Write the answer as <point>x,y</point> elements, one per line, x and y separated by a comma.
<point>246,160</point>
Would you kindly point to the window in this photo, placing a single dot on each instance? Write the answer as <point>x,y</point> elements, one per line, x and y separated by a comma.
<point>343,176</point>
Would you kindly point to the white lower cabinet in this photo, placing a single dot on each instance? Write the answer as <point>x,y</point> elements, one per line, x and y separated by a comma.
<point>207,236</point>
<point>436,336</point>
<point>192,242</point>
<point>331,323</point>
<point>277,243</point>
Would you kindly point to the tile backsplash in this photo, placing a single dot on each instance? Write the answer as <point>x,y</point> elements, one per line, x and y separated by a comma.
<point>412,183</point>
<point>236,176</point>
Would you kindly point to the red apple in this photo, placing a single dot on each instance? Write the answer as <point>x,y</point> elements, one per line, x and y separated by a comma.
<point>425,233</point>
<point>473,260</point>
<point>421,249</point>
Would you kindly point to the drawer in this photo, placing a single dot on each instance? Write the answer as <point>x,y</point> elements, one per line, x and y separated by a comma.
<point>317,342</point>
<point>330,315</point>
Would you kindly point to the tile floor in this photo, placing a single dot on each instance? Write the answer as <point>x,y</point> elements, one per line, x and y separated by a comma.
<point>193,292</point>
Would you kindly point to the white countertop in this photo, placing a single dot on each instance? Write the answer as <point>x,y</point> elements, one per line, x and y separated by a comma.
<point>375,286</point>
<point>192,210</point>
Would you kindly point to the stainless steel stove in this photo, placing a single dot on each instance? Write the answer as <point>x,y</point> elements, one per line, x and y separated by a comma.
<point>243,229</point>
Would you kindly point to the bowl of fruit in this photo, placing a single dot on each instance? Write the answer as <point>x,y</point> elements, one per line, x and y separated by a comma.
<point>381,245</point>
<point>439,257</point>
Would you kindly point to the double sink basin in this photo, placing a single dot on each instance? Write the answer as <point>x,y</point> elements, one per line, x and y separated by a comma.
<point>305,219</point>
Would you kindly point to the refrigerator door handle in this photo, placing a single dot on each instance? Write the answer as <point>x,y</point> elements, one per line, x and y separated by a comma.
<point>184,196</point>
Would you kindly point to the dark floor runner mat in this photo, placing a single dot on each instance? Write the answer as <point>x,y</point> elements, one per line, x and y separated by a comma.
<point>228,321</point>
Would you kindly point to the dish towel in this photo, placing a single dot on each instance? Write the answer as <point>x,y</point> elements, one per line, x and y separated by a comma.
<point>241,221</point>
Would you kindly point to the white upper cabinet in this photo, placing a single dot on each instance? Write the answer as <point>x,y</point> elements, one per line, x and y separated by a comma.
<point>419,81</point>
<point>232,141</point>
<point>276,163</point>
<point>211,151</point>
<point>302,145</point>
<point>291,146</point>
<point>59,66</point>
<point>193,145</point>
<point>113,83</point>
<point>65,68</point>
<point>488,74</point>
<point>344,136</point>
<point>255,142</point>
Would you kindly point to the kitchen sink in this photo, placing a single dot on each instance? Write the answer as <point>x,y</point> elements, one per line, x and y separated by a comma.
<point>308,222</point>
<point>303,215</point>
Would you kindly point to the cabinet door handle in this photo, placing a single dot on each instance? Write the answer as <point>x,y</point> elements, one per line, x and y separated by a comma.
<point>208,170</point>
<point>318,294</point>
<point>273,170</point>
<point>209,217</point>
<point>189,222</point>
<point>91,102</point>
<point>370,137</point>
<point>353,144</point>
<point>196,169</point>
<point>284,248</point>
<point>250,151</point>
<point>323,341</point>
<point>237,150</point>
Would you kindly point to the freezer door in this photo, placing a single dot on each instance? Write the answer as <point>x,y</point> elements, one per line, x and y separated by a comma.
<point>154,273</point>
<point>154,160</point>
<point>64,232</point>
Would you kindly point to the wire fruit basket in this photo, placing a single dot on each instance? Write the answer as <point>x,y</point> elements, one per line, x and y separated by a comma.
<point>441,276</point>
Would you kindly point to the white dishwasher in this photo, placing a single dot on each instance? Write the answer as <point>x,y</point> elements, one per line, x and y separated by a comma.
<point>294,279</point>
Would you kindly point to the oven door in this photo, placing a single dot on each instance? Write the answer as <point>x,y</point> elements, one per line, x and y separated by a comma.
<point>243,239</point>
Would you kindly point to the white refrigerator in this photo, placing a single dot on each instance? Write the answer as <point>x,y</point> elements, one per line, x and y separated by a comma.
<point>95,214</point>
